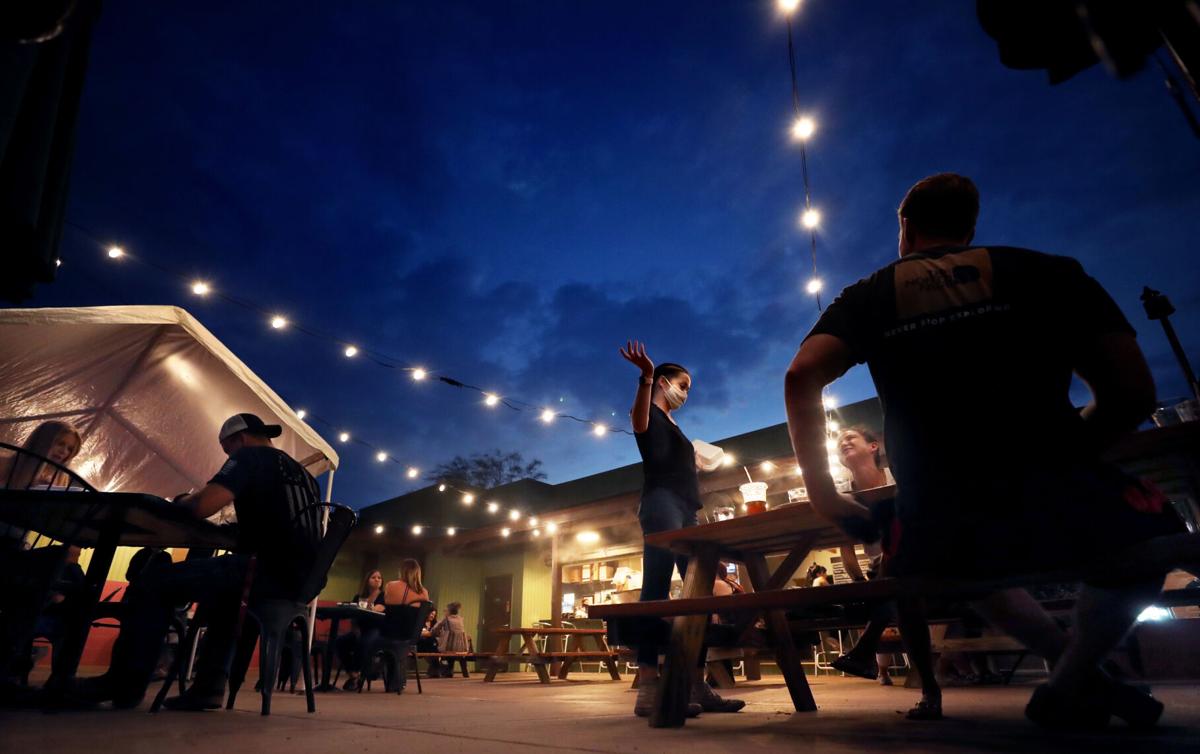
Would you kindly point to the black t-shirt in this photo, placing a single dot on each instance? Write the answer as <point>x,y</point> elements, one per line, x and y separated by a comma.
<point>269,490</point>
<point>972,351</point>
<point>668,459</point>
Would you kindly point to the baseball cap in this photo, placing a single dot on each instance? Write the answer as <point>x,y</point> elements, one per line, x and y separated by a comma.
<point>248,423</point>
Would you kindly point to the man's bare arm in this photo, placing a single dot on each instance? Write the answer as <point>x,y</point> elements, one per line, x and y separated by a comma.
<point>207,501</point>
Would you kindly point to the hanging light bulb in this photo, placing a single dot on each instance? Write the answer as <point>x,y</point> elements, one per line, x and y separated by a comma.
<point>468,498</point>
<point>789,6</point>
<point>728,459</point>
<point>490,399</point>
<point>814,286</point>
<point>115,252</point>
<point>830,402</point>
<point>810,218</point>
<point>514,515</point>
<point>201,288</point>
<point>379,528</point>
<point>441,488</point>
<point>381,456</point>
<point>767,466</point>
<point>536,532</point>
<point>599,430</point>
<point>351,352</point>
<point>419,374</point>
<point>451,531</point>
<point>301,414</point>
<point>533,521</point>
<point>551,527</point>
<point>803,128</point>
<point>833,426</point>
<point>412,472</point>
<point>505,531</point>
<point>417,529</point>
<point>278,322</point>
<point>547,415</point>
<point>344,437</point>
<point>493,507</point>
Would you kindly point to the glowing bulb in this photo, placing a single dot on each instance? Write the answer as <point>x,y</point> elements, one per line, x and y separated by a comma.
<point>551,527</point>
<point>381,456</point>
<point>505,531</point>
<point>468,498</point>
<point>115,252</point>
<point>833,426</point>
<point>599,430</point>
<point>412,472</point>
<point>587,537</point>
<point>810,218</point>
<point>301,414</point>
<point>278,322</point>
<point>547,415</point>
<point>767,466</point>
<point>450,532</point>
<point>379,528</point>
<point>803,128</point>
<point>351,352</point>
<point>830,402</point>
<point>514,515</point>
<point>417,530</point>
<point>814,286</point>
<point>493,507</point>
<point>344,437</point>
<point>58,263</point>
<point>533,521</point>
<point>728,459</point>
<point>789,6</point>
<point>200,288</point>
<point>830,444</point>
<point>419,374</point>
<point>799,471</point>
<point>441,488</point>
<point>537,532</point>
<point>490,399</point>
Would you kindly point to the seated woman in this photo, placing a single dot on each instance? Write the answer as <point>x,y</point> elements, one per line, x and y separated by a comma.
<point>428,643</point>
<point>451,636</point>
<point>350,645</point>
<point>408,589</point>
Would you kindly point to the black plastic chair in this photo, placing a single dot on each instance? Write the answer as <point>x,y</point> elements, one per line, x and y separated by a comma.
<point>397,643</point>
<point>275,616</point>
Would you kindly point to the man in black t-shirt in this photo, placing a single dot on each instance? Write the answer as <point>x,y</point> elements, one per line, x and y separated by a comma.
<point>972,350</point>
<point>273,497</point>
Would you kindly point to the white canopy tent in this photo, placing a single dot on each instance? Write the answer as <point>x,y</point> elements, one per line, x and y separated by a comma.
<point>148,388</point>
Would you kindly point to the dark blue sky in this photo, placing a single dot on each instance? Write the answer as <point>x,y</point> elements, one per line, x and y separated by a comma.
<point>507,191</point>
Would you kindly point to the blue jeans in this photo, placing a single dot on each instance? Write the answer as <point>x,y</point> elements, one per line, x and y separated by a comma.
<point>661,510</point>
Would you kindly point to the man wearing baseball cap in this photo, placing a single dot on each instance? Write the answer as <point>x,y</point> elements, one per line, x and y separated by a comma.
<point>268,490</point>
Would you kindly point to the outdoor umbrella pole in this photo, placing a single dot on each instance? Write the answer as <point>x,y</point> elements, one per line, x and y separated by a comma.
<point>1159,307</point>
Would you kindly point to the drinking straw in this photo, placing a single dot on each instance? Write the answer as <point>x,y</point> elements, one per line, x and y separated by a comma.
<point>748,474</point>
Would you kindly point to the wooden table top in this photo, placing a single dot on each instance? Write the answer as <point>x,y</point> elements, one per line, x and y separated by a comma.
<point>550,631</point>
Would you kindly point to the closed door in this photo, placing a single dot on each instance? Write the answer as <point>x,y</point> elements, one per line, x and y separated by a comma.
<point>497,607</point>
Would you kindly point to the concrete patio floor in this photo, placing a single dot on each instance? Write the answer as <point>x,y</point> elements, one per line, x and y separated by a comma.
<point>516,715</point>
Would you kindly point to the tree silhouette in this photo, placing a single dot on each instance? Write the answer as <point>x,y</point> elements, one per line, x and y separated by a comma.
<point>487,470</point>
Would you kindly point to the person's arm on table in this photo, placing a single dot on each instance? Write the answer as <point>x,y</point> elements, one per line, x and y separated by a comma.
<point>1123,393</point>
<point>207,501</point>
<point>821,360</point>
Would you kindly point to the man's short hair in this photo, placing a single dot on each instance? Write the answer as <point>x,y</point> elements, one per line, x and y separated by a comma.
<point>945,205</point>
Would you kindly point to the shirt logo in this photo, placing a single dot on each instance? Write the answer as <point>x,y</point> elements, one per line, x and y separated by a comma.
<point>951,281</point>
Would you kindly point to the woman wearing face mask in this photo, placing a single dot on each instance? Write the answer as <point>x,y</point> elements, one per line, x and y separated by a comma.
<point>670,500</point>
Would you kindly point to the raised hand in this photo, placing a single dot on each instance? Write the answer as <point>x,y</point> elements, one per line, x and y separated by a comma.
<point>635,353</point>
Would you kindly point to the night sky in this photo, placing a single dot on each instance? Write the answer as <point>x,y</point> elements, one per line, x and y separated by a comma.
<point>505,192</point>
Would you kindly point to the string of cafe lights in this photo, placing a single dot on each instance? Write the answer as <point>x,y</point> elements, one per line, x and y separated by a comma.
<point>802,129</point>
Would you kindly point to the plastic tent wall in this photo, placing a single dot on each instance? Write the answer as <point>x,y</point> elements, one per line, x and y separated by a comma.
<point>148,388</point>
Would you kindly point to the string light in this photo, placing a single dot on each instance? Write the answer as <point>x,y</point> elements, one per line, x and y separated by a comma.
<point>728,459</point>
<point>379,528</point>
<point>490,399</point>
<point>301,413</point>
<point>201,288</point>
<point>830,402</point>
<point>58,263</point>
<point>814,286</point>
<point>536,532</point>
<point>551,527</point>
<point>441,488</point>
<point>547,415</point>
<point>416,530</point>
<point>810,218</point>
<point>468,498</point>
<point>533,521</point>
<point>381,456</point>
<point>833,426</point>
<point>412,472</point>
<point>278,322</point>
<point>351,352</point>
<point>767,466</point>
<point>493,507</point>
<point>514,515</point>
<point>599,430</point>
<point>451,531</point>
<point>115,252</point>
<point>419,374</point>
<point>344,437</point>
<point>830,443</point>
<point>803,128</point>
<point>505,531</point>
<point>789,6</point>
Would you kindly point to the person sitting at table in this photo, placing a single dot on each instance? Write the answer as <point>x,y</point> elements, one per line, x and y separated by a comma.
<point>451,635</point>
<point>268,489</point>
<point>818,575</point>
<point>34,570</point>
<point>670,500</point>
<point>349,646</point>
<point>407,589</point>
<point>1000,330</point>
<point>428,643</point>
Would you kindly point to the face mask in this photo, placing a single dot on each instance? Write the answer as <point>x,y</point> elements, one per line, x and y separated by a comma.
<point>675,397</point>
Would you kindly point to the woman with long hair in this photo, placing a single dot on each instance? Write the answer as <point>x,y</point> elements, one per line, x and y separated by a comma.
<point>56,441</point>
<point>670,500</point>
<point>350,645</point>
<point>408,589</point>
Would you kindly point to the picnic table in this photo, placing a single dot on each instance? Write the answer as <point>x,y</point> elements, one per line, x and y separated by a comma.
<point>105,521</point>
<point>540,658</point>
<point>335,614</point>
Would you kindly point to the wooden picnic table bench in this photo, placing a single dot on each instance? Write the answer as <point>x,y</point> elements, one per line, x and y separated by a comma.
<point>452,657</point>
<point>540,658</point>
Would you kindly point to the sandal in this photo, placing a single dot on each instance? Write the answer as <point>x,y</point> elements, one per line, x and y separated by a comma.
<point>926,709</point>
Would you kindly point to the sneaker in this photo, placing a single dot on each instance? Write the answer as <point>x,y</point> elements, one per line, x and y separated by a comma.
<point>926,709</point>
<point>710,701</point>
<point>862,667</point>
<point>885,680</point>
<point>644,706</point>
<point>190,701</point>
